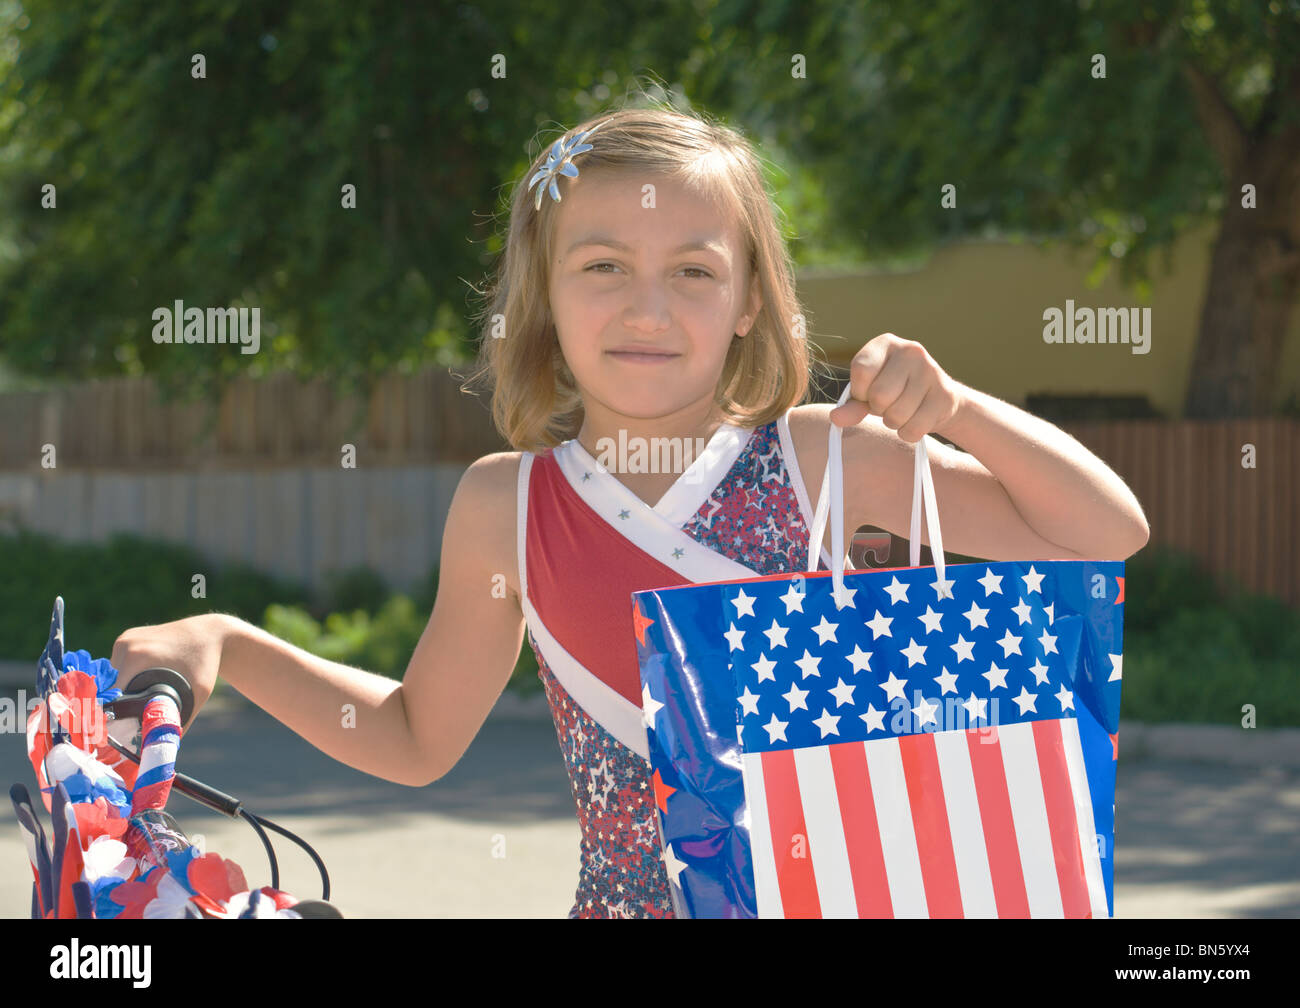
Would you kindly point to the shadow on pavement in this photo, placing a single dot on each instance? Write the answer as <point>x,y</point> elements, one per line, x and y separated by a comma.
<point>1193,839</point>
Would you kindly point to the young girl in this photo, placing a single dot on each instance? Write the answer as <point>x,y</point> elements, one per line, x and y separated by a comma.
<point>645,293</point>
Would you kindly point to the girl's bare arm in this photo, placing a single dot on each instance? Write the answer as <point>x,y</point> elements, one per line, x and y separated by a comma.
<point>414,731</point>
<point>1059,501</point>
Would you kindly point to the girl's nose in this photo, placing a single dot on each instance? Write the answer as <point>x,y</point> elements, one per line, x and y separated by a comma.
<point>647,305</point>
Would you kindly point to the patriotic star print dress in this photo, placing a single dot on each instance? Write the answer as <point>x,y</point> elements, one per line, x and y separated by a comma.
<point>585,543</point>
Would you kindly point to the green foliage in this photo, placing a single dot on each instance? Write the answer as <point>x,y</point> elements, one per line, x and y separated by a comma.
<point>1196,652</point>
<point>125,582</point>
<point>227,190</point>
<point>1160,583</point>
<point>1201,667</point>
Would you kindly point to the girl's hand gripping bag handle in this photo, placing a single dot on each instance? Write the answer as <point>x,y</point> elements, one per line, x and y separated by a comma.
<point>898,742</point>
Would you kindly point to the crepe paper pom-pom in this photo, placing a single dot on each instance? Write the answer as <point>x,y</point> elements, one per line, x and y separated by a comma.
<point>216,878</point>
<point>282,900</point>
<point>170,901</point>
<point>178,863</point>
<point>133,897</point>
<point>100,671</point>
<point>106,858</point>
<point>100,818</point>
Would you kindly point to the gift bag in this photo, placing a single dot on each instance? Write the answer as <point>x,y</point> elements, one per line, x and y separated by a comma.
<point>902,742</point>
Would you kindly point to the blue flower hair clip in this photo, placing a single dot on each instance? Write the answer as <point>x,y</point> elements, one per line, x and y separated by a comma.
<point>559,162</point>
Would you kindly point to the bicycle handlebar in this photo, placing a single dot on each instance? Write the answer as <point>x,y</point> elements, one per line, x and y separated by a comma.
<point>164,687</point>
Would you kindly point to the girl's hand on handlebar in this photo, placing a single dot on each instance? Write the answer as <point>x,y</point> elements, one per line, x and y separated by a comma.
<point>190,646</point>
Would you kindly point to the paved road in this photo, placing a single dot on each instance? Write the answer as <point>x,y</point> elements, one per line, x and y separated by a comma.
<point>497,837</point>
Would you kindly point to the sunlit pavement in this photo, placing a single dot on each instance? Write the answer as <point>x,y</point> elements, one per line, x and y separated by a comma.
<point>497,837</point>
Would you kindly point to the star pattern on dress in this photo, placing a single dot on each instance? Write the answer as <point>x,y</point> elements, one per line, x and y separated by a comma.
<point>753,515</point>
<point>601,782</point>
<point>620,839</point>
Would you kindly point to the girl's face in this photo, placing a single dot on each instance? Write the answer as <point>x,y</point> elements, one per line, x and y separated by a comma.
<point>646,300</point>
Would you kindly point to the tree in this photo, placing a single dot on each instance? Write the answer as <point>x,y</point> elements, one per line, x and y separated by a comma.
<point>1200,99</point>
<point>222,183</point>
<point>227,189</point>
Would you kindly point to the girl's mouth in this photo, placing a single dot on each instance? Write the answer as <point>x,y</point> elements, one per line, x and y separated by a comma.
<point>635,356</point>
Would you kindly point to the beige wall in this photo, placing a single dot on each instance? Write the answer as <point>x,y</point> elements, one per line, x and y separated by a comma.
<point>978,308</point>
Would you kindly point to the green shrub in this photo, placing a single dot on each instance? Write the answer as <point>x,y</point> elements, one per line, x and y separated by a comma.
<point>392,635</point>
<point>1199,668</point>
<point>1269,628</point>
<point>1161,582</point>
<point>1208,653</point>
<point>109,587</point>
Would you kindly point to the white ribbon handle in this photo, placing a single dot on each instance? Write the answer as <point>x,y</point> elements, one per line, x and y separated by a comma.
<point>832,497</point>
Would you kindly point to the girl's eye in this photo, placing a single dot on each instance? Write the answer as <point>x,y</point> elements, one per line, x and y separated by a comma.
<point>595,267</point>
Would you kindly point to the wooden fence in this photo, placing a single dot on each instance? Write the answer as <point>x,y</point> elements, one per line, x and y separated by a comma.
<point>122,424</point>
<point>260,478</point>
<point>1199,494</point>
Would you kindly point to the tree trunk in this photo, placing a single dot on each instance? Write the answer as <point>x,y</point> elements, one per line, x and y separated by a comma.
<point>1252,287</point>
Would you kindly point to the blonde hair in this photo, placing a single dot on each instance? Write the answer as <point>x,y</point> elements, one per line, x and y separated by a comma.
<point>535,402</point>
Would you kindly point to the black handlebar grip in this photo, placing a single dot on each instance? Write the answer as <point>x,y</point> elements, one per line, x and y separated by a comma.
<point>148,682</point>
<point>206,795</point>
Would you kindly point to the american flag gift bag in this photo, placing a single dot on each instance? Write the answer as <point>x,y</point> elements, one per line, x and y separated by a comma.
<point>902,742</point>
